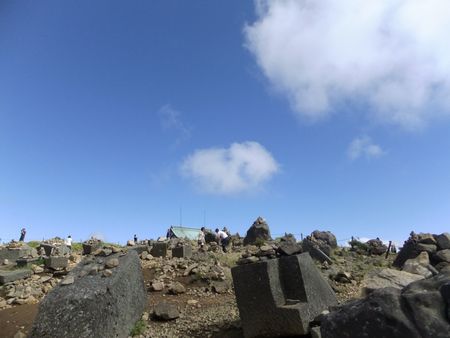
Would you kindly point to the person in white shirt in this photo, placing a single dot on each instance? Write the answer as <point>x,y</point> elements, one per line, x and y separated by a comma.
<point>201,238</point>
<point>68,242</point>
<point>223,239</point>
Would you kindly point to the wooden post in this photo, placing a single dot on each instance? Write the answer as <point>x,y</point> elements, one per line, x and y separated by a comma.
<point>388,250</point>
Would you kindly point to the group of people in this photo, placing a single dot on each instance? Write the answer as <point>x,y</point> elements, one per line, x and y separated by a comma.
<point>67,241</point>
<point>222,237</point>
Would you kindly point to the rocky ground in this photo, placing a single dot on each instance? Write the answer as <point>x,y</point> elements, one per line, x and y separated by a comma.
<point>188,297</point>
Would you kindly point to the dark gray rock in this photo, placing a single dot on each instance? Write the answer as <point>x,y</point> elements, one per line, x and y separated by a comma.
<point>376,247</point>
<point>56,262</point>
<point>94,306</point>
<point>379,315</point>
<point>13,275</point>
<point>408,251</point>
<point>315,251</point>
<point>91,246</point>
<point>289,248</point>
<point>430,248</point>
<point>258,231</point>
<point>159,249</point>
<point>13,254</point>
<point>166,311</point>
<point>419,310</point>
<point>326,237</point>
<point>443,256</point>
<point>443,241</point>
<point>184,251</point>
<point>279,297</point>
<point>426,306</point>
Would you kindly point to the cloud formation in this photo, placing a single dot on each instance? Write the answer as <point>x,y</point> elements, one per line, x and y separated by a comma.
<point>240,168</point>
<point>171,120</point>
<point>363,146</point>
<point>390,56</point>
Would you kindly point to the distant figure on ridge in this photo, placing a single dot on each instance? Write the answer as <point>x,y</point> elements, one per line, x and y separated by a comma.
<point>23,232</point>
<point>201,238</point>
<point>135,239</point>
<point>223,239</point>
<point>68,242</point>
<point>170,233</point>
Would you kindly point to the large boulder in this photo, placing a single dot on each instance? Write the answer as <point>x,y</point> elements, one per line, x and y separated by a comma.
<point>325,236</point>
<point>376,247</point>
<point>443,241</point>
<point>383,278</point>
<point>280,297</point>
<point>258,231</point>
<point>419,310</point>
<point>88,304</point>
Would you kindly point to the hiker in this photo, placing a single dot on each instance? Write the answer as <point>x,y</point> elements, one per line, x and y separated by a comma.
<point>170,233</point>
<point>23,232</point>
<point>135,239</point>
<point>201,238</point>
<point>68,242</point>
<point>223,239</point>
<point>226,231</point>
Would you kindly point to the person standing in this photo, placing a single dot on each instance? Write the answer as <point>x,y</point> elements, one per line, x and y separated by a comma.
<point>201,238</point>
<point>23,232</point>
<point>135,239</point>
<point>223,239</point>
<point>68,242</point>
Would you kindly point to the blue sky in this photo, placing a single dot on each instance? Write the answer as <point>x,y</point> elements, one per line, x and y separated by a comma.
<point>115,115</point>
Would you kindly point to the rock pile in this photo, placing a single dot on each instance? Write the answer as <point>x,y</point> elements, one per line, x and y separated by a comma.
<point>259,231</point>
<point>436,247</point>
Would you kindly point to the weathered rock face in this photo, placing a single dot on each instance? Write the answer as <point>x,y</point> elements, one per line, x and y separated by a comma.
<point>443,241</point>
<point>384,278</point>
<point>315,250</point>
<point>259,230</point>
<point>419,310</point>
<point>325,236</point>
<point>93,305</point>
<point>376,247</point>
<point>279,297</point>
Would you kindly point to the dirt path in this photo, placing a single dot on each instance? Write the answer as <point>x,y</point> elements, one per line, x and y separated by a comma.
<point>17,318</point>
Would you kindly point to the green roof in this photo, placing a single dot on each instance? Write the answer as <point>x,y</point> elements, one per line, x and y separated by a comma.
<point>185,232</point>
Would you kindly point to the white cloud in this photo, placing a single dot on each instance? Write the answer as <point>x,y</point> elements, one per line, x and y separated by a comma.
<point>391,56</point>
<point>363,146</point>
<point>239,168</point>
<point>171,120</point>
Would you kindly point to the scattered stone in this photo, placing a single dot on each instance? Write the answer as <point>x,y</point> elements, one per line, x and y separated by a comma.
<point>112,263</point>
<point>107,273</point>
<point>176,288</point>
<point>166,311</point>
<point>192,302</point>
<point>158,286</point>
<point>219,287</point>
<point>68,280</point>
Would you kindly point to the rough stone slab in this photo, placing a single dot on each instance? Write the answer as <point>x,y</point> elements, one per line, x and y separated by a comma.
<point>56,262</point>
<point>48,248</point>
<point>13,254</point>
<point>22,262</point>
<point>140,248</point>
<point>184,251</point>
<point>13,275</point>
<point>159,249</point>
<point>384,278</point>
<point>94,306</point>
<point>315,251</point>
<point>279,297</point>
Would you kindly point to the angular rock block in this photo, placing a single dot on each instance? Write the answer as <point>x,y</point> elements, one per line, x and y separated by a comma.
<point>13,254</point>
<point>94,306</point>
<point>23,262</point>
<point>13,275</point>
<point>90,248</point>
<point>48,248</point>
<point>279,297</point>
<point>56,262</point>
<point>184,251</point>
<point>159,249</point>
